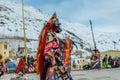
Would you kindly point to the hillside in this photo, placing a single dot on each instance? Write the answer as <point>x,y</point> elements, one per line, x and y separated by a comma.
<point>11,27</point>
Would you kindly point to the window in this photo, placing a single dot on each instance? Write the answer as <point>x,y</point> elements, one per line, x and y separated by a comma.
<point>5,46</point>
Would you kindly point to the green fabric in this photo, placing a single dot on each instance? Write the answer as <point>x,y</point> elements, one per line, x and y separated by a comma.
<point>116,57</point>
<point>110,63</point>
<point>105,64</point>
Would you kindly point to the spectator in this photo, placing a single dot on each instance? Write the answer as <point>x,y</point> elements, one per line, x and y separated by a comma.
<point>83,63</point>
<point>105,61</point>
<point>29,61</point>
<point>110,60</point>
<point>32,59</point>
<point>74,64</point>
<point>117,64</point>
<point>1,65</point>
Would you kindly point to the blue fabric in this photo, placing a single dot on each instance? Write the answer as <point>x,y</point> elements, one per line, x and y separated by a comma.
<point>11,65</point>
<point>70,78</point>
<point>119,58</point>
<point>46,66</point>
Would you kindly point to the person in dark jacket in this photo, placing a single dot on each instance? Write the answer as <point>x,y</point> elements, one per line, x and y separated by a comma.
<point>105,61</point>
<point>110,60</point>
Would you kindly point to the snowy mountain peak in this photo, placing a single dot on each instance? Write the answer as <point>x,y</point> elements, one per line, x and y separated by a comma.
<point>11,28</point>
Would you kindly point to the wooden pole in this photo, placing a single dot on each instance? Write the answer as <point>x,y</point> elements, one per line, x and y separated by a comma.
<point>24,28</point>
<point>93,35</point>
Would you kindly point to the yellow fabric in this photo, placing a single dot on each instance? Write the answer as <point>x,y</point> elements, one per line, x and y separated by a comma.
<point>51,21</point>
<point>52,55</point>
<point>67,51</point>
<point>53,16</point>
<point>3,59</point>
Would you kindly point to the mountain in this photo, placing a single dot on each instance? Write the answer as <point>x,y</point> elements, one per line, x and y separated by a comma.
<point>11,29</point>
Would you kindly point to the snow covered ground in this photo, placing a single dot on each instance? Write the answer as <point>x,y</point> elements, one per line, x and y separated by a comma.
<point>104,74</point>
<point>11,26</point>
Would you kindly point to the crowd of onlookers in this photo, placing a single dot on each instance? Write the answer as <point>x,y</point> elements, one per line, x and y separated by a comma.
<point>31,63</point>
<point>30,60</point>
<point>79,65</point>
<point>106,62</point>
<point>2,65</point>
<point>95,63</point>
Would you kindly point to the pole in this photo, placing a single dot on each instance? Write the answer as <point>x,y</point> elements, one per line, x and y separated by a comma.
<point>114,45</point>
<point>24,28</point>
<point>93,35</point>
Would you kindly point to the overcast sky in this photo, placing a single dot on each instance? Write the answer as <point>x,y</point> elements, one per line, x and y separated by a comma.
<point>105,14</point>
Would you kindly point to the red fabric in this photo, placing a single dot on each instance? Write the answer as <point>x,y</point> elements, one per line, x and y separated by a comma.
<point>41,49</point>
<point>21,65</point>
<point>50,45</point>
